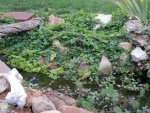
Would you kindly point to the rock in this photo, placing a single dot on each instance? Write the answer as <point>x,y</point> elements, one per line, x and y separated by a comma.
<point>55,20</point>
<point>63,50</point>
<point>4,85</point>
<point>105,67</point>
<point>15,28</point>
<point>83,70</point>
<point>56,43</point>
<point>138,54</point>
<point>68,100</point>
<point>126,45</point>
<point>4,68</point>
<point>19,16</point>
<point>31,93</point>
<point>105,19</point>
<point>141,39</point>
<point>72,109</point>
<point>4,107</point>
<point>97,26</point>
<point>133,26</point>
<point>52,111</point>
<point>123,58</point>
<point>40,104</point>
<point>53,65</point>
<point>56,101</point>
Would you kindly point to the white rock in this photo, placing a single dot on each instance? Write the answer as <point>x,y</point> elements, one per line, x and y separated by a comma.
<point>52,111</point>
<point>17,94</point>
<point>105,19</point>
<point>105,67</point>
<point>56,43</point>
<point>97,26</point>
<point>138,54</point>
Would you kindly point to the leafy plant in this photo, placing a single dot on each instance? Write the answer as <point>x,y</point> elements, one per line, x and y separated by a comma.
<point>137,8</point>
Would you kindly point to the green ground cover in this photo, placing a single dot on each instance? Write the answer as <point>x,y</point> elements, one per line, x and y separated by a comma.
<point>86,46</point>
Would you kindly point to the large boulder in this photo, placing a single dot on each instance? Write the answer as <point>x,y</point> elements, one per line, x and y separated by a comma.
<point>138,54</point>
<point>19,16</point>
<point>105,66</point>
<point>40,104</point>
<point>72,109</point>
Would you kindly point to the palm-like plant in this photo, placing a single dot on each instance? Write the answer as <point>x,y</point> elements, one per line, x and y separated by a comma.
<point>138,8</point>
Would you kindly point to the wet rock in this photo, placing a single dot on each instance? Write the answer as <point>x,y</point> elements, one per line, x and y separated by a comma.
<point>52,111</point>
<point>105,19</point>
<point>19,16</point>
<point>40,104</point>
<point>138,54</point>
<point>105,67</point>
<point>133,26</point>
<point>4,107</point>
<point>126,45</point>
<point>4,85</point>
<point>55,20</point>
<point>72,109</point>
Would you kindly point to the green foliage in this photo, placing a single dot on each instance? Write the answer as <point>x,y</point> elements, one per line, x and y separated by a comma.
<point>86,104</point>
<point>77,34</point>
<point>26,51</point>
<point>6,21</point>
<point>137,8</point>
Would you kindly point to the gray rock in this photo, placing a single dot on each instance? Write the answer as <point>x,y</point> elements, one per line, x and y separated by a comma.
<point>138,54</point>
<point>133,26</point>
<point>105,66</point>
<point>4,107</point>
<point>41,104</point>
<point>4,85</point>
